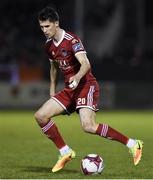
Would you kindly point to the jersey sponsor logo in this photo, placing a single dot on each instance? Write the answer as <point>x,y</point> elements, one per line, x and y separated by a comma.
<point>77,47</point>
<point>64,65</point>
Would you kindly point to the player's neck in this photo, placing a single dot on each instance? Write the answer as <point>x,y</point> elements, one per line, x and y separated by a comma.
<point>58,35</point>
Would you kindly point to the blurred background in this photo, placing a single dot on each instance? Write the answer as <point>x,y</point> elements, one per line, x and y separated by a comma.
<point>118,36</point>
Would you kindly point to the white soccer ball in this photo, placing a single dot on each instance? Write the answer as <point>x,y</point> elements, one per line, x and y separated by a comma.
<point>92,164</point>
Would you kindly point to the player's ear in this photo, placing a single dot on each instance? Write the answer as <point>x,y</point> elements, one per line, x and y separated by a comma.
<point>57,23</point>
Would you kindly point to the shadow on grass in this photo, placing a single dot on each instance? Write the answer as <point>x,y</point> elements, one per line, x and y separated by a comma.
<point>36,169</point>
<point>47,170</point>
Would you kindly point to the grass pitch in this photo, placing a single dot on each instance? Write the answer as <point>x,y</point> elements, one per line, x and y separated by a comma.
<point>26,153</point>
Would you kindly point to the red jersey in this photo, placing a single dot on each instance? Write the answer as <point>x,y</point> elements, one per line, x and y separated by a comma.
<point>63,52</point>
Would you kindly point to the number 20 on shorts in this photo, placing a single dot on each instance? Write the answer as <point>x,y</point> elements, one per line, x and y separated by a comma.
<point>81,101</point>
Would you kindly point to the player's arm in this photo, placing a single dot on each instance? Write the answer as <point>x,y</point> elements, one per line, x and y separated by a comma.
<point>53,77</point>
<point>85,66</point>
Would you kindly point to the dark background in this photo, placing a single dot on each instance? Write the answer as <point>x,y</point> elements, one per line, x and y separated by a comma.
<point>21,40</point>
<point>118,37</point>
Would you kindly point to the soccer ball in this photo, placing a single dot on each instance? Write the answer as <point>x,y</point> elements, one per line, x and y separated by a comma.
<point>92,164</point>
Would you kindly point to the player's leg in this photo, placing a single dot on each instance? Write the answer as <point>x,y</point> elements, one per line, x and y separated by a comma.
<point>43,116</point>
<point>87,118</point>
<point>87,102</point>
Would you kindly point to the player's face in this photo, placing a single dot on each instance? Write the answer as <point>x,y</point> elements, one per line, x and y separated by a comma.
<point>48,28</point>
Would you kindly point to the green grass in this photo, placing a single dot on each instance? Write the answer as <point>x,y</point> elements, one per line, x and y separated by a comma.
<point>26,153</point>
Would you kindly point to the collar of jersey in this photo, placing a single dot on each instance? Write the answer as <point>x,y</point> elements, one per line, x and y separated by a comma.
<point>62,37</point>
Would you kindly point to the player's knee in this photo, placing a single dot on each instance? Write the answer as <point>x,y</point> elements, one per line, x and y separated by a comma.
<point>87,127</point>
<point>37,116</point>
<point>40,117</point>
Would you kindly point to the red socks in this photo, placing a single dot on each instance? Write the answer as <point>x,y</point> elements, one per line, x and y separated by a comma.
<point>51,131</point>
<point>105,131</point>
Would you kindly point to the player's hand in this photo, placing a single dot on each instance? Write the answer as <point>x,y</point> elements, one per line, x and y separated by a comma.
<point>73,82</point>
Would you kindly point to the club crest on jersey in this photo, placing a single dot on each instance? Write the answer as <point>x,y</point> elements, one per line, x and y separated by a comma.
<point>64,52</point>
<point>77,47</point>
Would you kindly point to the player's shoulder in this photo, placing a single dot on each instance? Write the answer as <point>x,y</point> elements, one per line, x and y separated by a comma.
<point>70,36</point>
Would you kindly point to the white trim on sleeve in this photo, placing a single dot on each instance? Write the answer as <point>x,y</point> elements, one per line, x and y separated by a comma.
<point>81,52</point>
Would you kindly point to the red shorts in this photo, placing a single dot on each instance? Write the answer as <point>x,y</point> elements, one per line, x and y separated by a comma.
<point>86,95</point>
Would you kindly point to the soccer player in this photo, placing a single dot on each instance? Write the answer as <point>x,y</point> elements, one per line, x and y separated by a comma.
<point>81,92</point>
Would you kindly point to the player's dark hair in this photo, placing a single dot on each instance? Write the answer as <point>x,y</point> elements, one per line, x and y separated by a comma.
<point>48,13</point>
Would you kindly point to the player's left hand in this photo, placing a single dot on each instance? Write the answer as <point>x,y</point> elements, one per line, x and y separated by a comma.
<point>73,82</point>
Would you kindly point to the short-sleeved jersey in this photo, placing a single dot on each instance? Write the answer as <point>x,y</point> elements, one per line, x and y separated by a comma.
<point>63,52</point>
